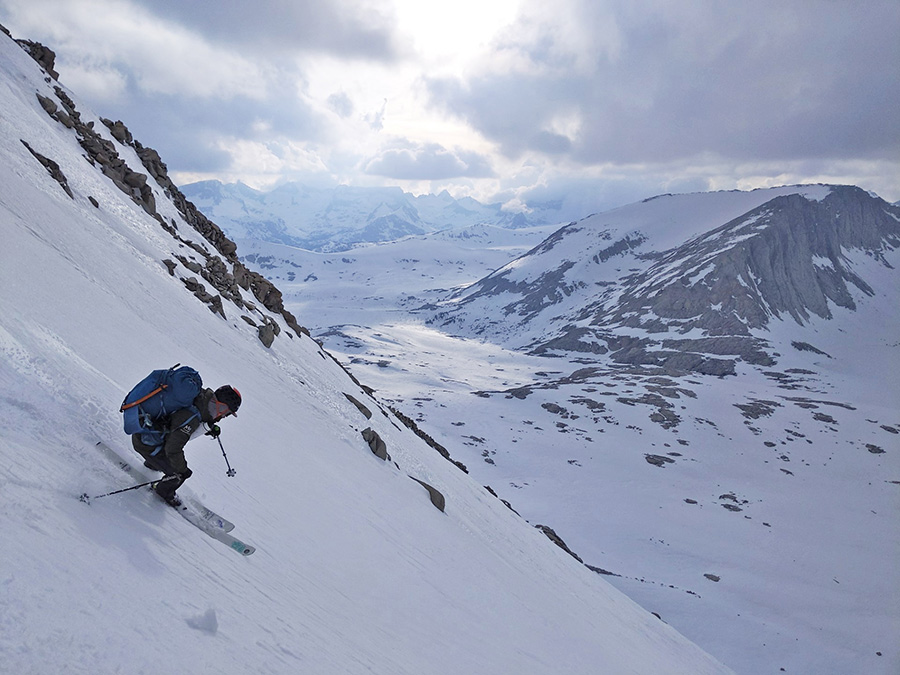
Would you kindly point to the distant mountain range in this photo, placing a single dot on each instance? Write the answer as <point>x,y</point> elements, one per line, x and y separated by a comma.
<point>681,282</point>
<point>337,219</point>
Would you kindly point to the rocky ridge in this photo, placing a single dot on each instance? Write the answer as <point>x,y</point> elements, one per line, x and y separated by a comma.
<point>220,268</point>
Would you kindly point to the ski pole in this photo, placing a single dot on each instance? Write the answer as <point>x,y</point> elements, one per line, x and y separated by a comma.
<point>230,473</point>
<point>86,498</point>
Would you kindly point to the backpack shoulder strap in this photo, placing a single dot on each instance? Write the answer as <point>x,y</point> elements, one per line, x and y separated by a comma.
<point>126,406</point>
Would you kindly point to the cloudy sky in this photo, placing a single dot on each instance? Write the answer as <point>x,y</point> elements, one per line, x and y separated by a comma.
<point>592,102</point>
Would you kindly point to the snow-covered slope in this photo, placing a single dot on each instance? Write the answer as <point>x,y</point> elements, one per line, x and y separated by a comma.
<point>355,572</point>
<point>338,219</point>
<point>756,512</point>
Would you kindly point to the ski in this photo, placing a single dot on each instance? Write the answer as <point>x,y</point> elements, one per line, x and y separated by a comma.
<point>201,523</point>
<point>191,509</point>
<point>211,516</point>
<point>204,512</point>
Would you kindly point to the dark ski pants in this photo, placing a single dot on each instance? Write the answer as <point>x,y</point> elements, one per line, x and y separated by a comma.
<point>158,462</point>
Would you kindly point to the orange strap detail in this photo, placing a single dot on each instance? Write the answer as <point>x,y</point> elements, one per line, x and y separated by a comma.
<point>142,399</point>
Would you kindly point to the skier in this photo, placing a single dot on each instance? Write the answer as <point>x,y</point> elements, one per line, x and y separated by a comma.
<point>178,429</point>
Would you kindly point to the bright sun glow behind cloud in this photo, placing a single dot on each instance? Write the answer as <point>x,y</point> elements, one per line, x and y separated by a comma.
<point>439,40</point>
<point>449,35</point>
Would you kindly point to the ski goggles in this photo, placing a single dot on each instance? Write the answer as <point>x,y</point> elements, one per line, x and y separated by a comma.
<point>222,410</point>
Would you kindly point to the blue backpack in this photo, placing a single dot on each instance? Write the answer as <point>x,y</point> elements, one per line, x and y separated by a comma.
<point>156,397</point>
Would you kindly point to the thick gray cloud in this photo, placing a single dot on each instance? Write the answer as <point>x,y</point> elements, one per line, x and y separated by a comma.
<point>347,28</point>
<point>428,162</point>
<point>748,81</point>
<point>188,132</point>
<point>589,103</point>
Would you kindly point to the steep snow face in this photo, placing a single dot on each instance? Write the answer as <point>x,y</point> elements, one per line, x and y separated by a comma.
<point>785,258</point>
<point>355,572</point>
<point>339,219</point>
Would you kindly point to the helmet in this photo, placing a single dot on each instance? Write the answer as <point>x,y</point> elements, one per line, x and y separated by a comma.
<point>230,397</point>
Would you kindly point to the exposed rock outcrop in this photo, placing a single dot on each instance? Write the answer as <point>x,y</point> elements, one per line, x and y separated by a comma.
<point>226,274</point>
<point>556,539</point>
<point>45,56</point>
<point>359,406</point>
<point>437,498</point>
<point>52,168</point>
<point>412,426</point>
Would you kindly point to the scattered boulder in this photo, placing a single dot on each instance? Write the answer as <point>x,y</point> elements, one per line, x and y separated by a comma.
<point>48,104</point>
<point>118,130</point>
<point>658,460</point>
<point>363,409</point>
<point>214,302</point>
<point>376,445</point>
<point>266,334</point>
<point>733,502</point>
<point>437,499</point>
<point>502,501</point>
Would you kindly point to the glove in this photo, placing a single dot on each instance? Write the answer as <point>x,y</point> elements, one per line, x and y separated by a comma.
<point>214,431</point>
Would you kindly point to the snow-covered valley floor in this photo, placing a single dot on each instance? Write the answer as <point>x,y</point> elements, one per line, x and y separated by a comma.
<point>763,523</point>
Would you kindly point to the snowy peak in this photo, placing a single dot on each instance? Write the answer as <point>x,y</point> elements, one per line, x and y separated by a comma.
<point>785,257</point>
<point>614,284</point>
